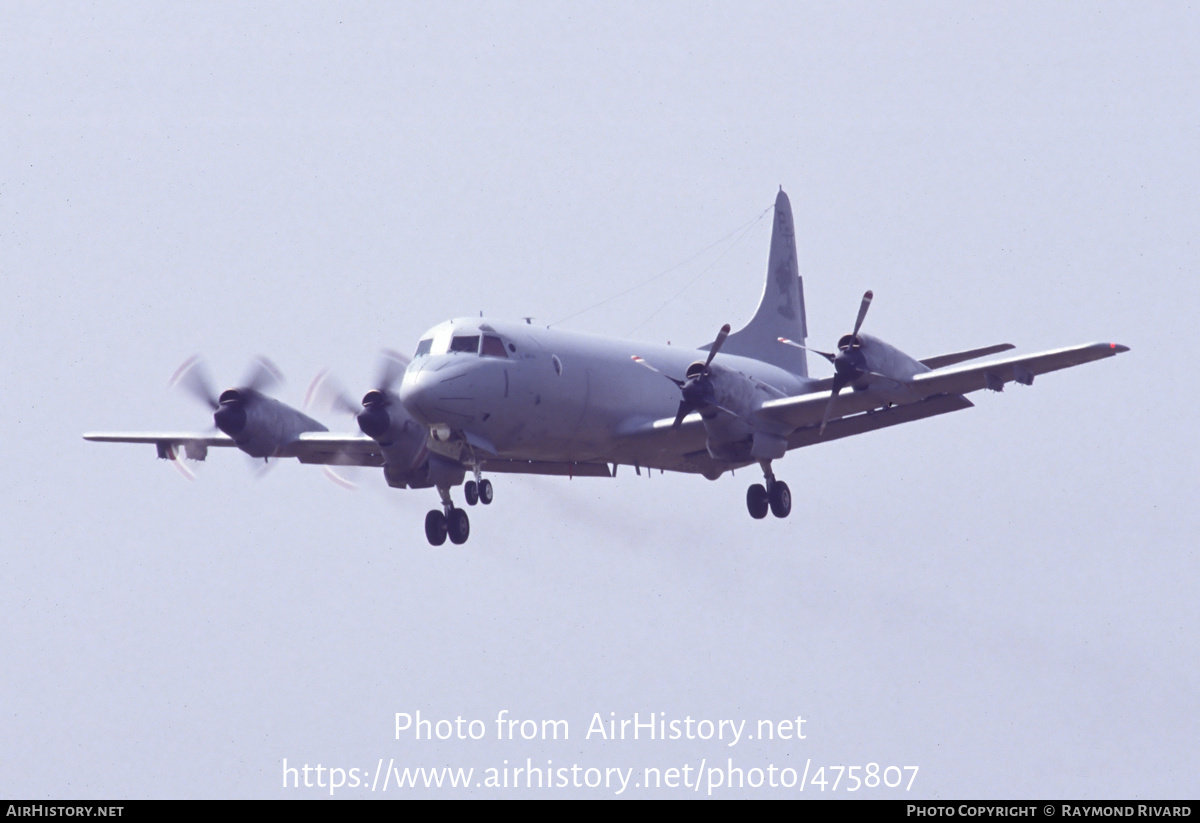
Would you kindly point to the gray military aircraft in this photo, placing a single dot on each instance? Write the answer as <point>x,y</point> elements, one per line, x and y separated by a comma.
<point>482,396</point>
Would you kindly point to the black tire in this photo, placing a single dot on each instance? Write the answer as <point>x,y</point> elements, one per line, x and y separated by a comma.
<point>471,492</point>
<point>757,501</point>
<point>435,528</point>
<point>459,526</point>
<point>781,499</point>
<point>485,492</point>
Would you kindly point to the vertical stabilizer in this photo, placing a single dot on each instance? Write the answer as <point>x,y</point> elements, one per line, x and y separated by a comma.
<point>781,309</point>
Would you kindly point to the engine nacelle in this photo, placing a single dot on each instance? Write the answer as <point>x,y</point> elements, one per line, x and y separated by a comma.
<point>260,425</point>
<point>731,437</point>
<point>406,460</point>
<point>882,358</point>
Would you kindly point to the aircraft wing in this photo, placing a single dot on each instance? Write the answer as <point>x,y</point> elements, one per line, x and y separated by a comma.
<point>310,447</point>
<point>807,409</point>
<point>658,443</point>
<point>334,449</point>
<point>168,438</point>
<point>1022,369</point>
<point>360,450</point>
<point>194,444</point>
<point>331,448</point>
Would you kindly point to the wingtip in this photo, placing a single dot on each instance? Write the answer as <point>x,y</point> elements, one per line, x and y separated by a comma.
<point>1118,348</point>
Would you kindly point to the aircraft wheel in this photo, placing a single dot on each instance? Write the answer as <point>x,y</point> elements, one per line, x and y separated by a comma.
<point>485,492</point>
<point>459,526</point>
<point>781,499</point>
<point>435,528</point>
<point>757,501</point>
<point>471,492</point>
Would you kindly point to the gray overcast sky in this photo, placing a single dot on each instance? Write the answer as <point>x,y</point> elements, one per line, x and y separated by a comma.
<point>1004,597</point>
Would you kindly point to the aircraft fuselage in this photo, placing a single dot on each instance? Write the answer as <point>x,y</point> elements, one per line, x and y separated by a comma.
<point>533,393</point>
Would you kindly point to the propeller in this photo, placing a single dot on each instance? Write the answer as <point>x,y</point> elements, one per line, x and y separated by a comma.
<point>697,388</point>
<point>373,418</point>
<point>849,363</point>
<point>229,408</point>
<point>192,377</point>
<point>327,392</point>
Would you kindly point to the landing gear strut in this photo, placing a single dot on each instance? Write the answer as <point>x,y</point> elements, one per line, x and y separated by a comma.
<point>775,496</point>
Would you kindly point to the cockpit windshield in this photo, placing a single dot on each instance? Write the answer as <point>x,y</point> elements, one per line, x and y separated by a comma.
<point>443,341</point>
<point>493,346</point>
<point>465,343</point>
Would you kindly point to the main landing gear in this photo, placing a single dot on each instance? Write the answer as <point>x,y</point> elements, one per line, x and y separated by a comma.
<point>451,521</point>
<point>775,496</point>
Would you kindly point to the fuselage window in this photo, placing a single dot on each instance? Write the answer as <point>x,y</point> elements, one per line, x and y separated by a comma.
<point>493,347</point>
<point>466,343</point>
<point>423,347</point>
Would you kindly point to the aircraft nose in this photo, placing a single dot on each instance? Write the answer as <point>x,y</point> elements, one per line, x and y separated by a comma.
<point>439,393</point>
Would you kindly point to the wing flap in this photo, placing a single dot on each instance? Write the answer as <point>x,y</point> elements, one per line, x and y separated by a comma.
<point>879,419</point>
<point>545,467</point>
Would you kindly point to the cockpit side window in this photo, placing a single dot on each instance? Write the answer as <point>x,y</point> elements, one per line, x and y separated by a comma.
<point>465,343</point>
<point>493,346</point>
<point>423,347</point>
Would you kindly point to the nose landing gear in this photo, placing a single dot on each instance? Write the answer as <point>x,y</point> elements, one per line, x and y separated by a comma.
<point>480,492</point>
